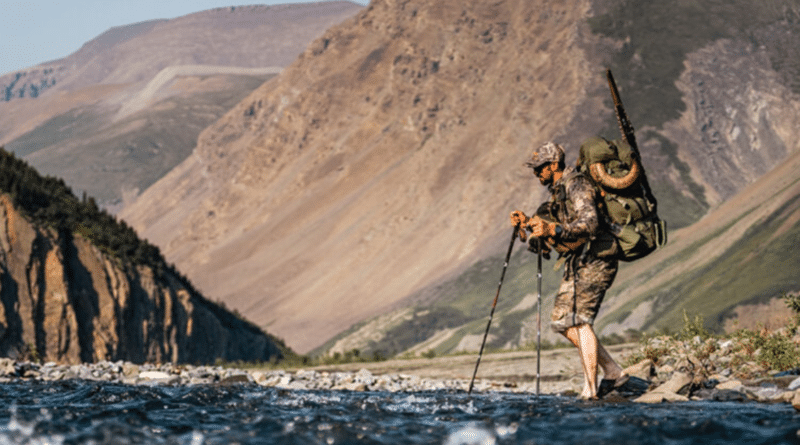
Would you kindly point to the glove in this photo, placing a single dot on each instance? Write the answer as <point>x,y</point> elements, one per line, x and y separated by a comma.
<point>533,246</point>
<point>541,228</point>
<point>518,219</point>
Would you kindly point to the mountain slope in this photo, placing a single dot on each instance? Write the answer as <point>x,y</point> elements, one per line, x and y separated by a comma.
<point>128,106</point>
<point>357,177</point>
<point>113,156</point>
<point>383,163</point>
<point>742,252</point>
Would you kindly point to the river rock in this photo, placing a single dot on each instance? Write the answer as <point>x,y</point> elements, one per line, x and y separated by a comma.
<point>660,397</point>
<point>365,377</point>
<point>235,378</point>
<point>668,391</point>
<point>768,393</point>
<point>355,386</point>
<point>720,395</point>
<point>643,370</point>
<point>732,384</point>
<point>796,400</point>
<point>677,384</point>
<point>259,376</point>
<point>159,377</point>
<point>7,367</point>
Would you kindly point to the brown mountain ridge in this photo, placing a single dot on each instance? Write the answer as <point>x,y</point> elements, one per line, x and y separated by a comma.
<point>120,112</point>
<point>386,158</point>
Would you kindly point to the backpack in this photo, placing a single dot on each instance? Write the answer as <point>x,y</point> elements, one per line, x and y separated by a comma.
<point>625,201</point>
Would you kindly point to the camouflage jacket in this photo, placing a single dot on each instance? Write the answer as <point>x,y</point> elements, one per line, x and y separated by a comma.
<point>574,206</point>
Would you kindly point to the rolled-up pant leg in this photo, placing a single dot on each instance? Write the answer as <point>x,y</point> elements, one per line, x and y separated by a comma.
<point>582,289</point>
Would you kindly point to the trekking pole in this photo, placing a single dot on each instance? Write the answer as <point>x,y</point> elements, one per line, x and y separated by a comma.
<point>539,316</point>
<point>494,304</point>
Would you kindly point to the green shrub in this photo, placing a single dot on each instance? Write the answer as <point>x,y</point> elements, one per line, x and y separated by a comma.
<point>793,302</point>
<point>773,350</point>
<point>654,349</point>
<point>693,328</point>
<point>779,352</point>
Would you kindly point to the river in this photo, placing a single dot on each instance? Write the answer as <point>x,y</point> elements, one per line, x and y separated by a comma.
<point>84,412</point>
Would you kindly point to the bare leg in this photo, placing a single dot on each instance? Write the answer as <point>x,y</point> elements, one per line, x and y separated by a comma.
<point>588,350</point>
<point>588,354</point>
<point>611,370</point>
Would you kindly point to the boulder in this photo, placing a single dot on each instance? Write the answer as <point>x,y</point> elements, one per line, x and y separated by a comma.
<point>235,378</point>
<point>159,377</point>
<point>7,367</point>
<point>626,388</point>
<point>643,370</point>
<point>669,390</point>
<point>660,397</point>
<point>355,386</point>
<point>720,395</point>
<point>735,385</point>
<point>768,393</point>
<point>679,382</point>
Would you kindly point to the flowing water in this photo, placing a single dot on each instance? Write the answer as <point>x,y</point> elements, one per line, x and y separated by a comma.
<point>74,412</point>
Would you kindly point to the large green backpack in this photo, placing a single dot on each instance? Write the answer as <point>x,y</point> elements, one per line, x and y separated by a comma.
<point>628,207</point>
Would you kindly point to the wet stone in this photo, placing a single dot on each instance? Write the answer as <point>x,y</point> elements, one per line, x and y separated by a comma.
<point>660,397</point>
<point>234,379</point>
<point>721,395</point>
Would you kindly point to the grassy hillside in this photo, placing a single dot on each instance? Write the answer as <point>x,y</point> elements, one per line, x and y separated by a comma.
<point>140,148</point>
<point>760,266</point>
<point>744,252</point>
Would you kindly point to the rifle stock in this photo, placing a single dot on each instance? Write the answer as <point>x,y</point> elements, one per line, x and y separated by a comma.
<point>626,128</point>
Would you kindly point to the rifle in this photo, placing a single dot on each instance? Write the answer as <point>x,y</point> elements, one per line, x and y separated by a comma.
<point>628,135</point>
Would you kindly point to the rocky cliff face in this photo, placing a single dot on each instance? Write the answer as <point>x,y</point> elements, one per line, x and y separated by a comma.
<point>64,300</point>
<point>740,117</point>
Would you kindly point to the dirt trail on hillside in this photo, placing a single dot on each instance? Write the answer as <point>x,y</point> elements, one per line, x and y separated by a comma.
<point>560,368</point>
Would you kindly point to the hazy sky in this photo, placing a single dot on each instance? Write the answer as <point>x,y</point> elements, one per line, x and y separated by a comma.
<point>36,31</point>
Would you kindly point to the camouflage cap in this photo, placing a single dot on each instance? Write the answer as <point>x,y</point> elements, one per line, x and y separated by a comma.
<point>547,153</point>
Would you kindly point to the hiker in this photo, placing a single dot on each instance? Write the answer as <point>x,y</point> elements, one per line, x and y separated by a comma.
<point>578,232</point>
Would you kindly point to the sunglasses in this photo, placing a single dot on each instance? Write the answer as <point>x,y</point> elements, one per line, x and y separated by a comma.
<point>538,170</point>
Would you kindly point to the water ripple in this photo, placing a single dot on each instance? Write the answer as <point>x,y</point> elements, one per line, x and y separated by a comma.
<point>76,412</point>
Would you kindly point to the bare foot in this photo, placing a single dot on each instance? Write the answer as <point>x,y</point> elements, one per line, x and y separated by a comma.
<point>588,393</point>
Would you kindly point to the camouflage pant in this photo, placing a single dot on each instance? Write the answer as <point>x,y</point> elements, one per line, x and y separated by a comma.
<point>586,279</point>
